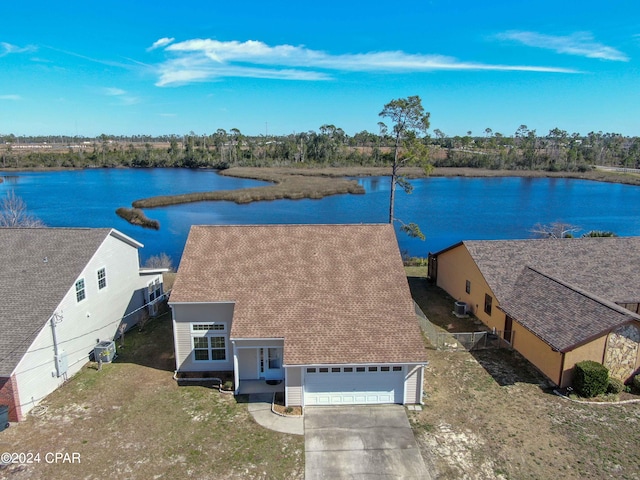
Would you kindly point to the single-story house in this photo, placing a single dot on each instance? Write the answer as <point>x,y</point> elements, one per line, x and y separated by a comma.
<point>326,309</point>
<point>557,301</point>
<point>64,291</point>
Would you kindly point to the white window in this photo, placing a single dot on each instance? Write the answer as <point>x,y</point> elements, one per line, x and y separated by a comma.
<point>208,343</point>
<point>80,291</point>
<point>155,290</point>
<point>209,349</point>
<point>102,278</point>
<point>205,327</point>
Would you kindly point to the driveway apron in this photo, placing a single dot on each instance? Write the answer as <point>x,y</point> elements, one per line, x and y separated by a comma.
<point>361,442</point>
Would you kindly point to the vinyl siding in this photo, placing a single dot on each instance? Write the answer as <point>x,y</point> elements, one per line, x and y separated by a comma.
<point>293,388</point>
<point>84,323</point>
<point>412,385</point>
<point>184,314</point>
<point>248,363</point>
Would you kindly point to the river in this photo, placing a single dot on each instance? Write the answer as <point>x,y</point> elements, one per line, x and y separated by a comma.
<point>447,209</point>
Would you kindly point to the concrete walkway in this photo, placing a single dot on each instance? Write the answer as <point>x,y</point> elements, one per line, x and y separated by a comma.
<point>361,442</point>
<point>260,409</point>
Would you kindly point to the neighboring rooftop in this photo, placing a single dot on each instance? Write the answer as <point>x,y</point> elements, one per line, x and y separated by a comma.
<point>39,266</point>
<point>608,267</point>
<point>335,293</point>
<point>560,314</point>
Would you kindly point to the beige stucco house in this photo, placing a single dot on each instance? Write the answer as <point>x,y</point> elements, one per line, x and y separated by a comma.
<point>558,301</point>
<point>325,309</point>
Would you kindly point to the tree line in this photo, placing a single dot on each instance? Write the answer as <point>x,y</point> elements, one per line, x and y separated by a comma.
<point>329,146</point>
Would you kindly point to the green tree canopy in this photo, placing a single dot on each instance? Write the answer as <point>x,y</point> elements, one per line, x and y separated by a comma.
<point>409,121</point>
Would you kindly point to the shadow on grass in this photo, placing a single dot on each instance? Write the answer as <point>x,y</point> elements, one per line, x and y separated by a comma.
<point>151,347</point>
<point>508,367</point>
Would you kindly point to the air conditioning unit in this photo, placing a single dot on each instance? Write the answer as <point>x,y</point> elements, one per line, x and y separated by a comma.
<point>104,351</point>
<point>460,308</point>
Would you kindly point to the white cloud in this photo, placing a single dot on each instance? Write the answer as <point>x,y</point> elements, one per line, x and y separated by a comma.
<point>122,95</point>
<point>7,48</point>
<point>160,43</point>
<point>200,60</point>
<point>14,98</point>
<point>114,92</point>
<point>581,44</point>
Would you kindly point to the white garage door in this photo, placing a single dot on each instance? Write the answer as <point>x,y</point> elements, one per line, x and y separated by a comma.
<point>353,385</point>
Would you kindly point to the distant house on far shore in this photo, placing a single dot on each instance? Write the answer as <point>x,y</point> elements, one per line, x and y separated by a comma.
<point>558,301</point>
<point>64,290</point>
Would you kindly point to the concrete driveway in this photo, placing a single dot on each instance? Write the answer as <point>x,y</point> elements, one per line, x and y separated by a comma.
<point>361,442</point>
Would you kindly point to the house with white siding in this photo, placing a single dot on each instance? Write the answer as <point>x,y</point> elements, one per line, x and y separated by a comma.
<point>324,310</point>
<point>64,290</point>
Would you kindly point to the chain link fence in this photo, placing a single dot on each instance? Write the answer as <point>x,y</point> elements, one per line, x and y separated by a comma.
<point>466,341</point>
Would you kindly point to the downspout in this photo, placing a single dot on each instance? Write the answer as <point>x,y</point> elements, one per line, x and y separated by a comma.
<point>236,377</point>
<point>421,380</point>
<point>55,319</point>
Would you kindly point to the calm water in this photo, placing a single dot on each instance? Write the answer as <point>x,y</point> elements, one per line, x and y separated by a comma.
<point>447,209</point>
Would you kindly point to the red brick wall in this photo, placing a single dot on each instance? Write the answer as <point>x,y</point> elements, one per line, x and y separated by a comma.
<point>9,396</point>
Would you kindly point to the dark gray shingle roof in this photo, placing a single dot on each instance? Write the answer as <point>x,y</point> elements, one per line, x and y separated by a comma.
<point>562,290</point>
<point>606,267</point>
<point>30,287</point>
<point>561,315</point>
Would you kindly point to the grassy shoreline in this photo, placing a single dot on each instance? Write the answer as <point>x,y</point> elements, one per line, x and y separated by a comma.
<point>285,185</point>
<point>295,183</point>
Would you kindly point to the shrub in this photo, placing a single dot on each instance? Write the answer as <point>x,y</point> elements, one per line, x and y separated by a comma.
<point>590,378</point>
<point>635,383</point>
<point>615,386</point>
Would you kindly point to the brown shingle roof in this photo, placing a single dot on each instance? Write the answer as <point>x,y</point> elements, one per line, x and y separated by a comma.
<point>335,293</point>
<point>30,287</point>
<point>561,314</point>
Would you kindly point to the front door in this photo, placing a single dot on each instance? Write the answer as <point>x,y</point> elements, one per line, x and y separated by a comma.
<point>271,363</point>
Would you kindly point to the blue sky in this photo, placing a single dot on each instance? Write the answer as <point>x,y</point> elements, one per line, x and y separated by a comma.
<point>127,68</point>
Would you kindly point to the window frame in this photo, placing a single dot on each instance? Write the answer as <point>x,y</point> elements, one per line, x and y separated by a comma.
<point>81,290</point>
<point>213,338</point>
<point>203,328</point>
<point>154,290</point>
<point>467,287</point>
<point>102,282</point>
<point>488,303</point>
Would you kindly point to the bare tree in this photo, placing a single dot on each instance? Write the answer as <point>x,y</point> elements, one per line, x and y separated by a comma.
<point>555,230</point>
<point>13,213</point>
<point>160,261</point>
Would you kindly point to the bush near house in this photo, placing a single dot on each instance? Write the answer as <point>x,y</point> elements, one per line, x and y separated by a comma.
<point>635,384</point>
<point>590,379</point>
<point>615,386</point>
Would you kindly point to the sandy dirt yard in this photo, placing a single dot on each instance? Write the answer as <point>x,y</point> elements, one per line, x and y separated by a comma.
<point>132,421</point>
<point>491,415</point>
